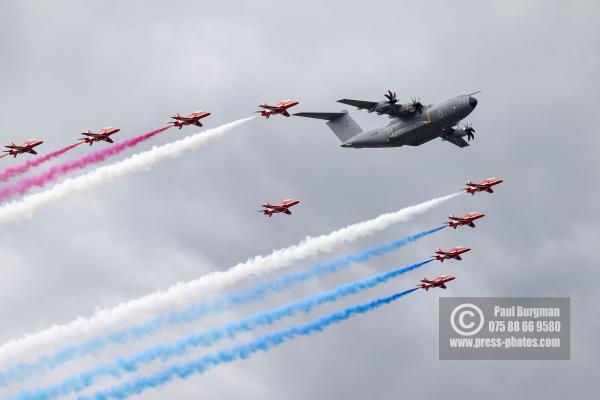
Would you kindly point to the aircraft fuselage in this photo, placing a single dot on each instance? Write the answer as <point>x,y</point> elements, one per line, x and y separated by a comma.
<point>414,130</point>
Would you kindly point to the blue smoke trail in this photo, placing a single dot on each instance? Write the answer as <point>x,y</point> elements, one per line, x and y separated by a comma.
<point>243,351</point>
<point>24,370</point>
<point>261,318</point>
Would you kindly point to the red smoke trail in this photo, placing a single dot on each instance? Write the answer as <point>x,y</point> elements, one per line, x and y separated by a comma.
<point>51,174</point>
<point>21,169</point>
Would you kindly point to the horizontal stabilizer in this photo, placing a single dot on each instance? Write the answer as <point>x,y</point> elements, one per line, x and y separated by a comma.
<point>341,123</point>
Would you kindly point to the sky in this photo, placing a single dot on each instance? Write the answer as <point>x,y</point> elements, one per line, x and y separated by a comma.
<point>68,66</point>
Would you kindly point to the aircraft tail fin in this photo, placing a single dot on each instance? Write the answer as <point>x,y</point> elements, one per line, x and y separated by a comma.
<point>341,123</point>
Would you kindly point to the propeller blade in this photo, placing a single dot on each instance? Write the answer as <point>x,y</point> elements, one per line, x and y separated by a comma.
<point>391,96</point>
<point>416,105</point>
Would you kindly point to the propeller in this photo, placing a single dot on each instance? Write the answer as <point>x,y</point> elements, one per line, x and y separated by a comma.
<point>391,97</point>
<point>416,105</point>
<point>469,131</point>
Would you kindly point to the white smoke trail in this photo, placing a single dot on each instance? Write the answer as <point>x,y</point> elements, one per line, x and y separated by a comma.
<point>182,293</point>
<point>28,205</point>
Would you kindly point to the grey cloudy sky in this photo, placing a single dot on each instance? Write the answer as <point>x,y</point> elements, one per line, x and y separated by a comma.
<point>71,65</point>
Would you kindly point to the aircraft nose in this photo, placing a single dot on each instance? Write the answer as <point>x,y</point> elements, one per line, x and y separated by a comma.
<point>472,101</point>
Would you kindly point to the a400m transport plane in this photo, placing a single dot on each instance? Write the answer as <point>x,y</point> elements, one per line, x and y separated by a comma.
<point>412,123</point>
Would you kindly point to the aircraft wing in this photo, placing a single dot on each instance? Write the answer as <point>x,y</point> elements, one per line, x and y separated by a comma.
<point>392,110</point>
<point>460,142</point>
<point>267,107</point>
<point>360,104</point>
<point>275,207</point>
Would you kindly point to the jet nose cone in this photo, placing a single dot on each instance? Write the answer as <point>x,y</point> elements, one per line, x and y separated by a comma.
<point>472,101</point>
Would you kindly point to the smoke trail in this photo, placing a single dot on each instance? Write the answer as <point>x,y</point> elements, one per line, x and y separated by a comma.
<point>182,293</point>
<point>243,351</point>
<point>27,206</point>
<point>205,339</point>
<point>21,169</point>
<point>51,174</point>
<point>63,355</point>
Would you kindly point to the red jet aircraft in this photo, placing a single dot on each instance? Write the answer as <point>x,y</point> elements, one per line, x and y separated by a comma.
<point>103,135</point>
<point>466,219</point>
<point>440,282</point>
<point>281,207</point>
<point>452,253</point>
<point>483,185</point>
<point>192,119</point>
<point>279,108</point>
<point>26,147</point>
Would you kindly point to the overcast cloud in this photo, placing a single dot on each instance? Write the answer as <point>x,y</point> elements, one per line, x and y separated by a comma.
<point>67,66</point>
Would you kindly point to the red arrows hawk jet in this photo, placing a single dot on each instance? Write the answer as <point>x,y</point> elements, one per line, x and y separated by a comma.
<point>192,119</point>
<point>26,147</point>
<point>103,135</point>
<point>454,253</point>
<point>279,108</point>
<point>485,185</point>
<point>281,207</point>
<point>466,219</point>
<point>440,282</point>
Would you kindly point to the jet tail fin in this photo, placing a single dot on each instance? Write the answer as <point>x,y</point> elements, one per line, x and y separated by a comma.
<point>341,123</point>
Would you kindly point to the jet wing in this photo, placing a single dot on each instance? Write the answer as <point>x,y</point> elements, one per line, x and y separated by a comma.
<point>360,104</point>
<point>391,110</point>
<point>460,142</point>
<point>459,219</point>
<point>271,108</point>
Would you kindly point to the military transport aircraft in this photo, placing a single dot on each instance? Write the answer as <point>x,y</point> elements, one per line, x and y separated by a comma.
<point>485,185</point>
<point>280,207</point>
<point>103,135</point>
<point>466,219</point>
<point>454,253</point>
<point>192,119</point>
<point>412,124</point>
<point>440,282</point>
<point>26,147</point>
<point>279,108</point>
